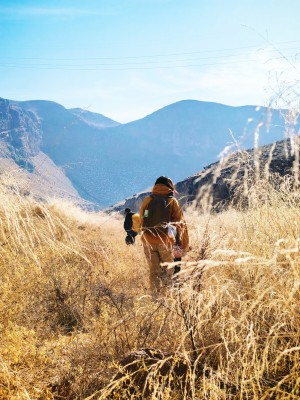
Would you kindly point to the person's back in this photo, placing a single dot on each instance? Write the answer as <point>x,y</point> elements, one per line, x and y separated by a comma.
<point>157,215</point>
<point>131,226</point>
<point>128,220</point>
<point>159,212</point>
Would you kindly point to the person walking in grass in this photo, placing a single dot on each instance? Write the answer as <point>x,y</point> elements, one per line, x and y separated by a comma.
<point>131,225</point>
<point>163,227</point>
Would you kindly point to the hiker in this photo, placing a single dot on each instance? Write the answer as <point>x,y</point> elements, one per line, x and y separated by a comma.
<point>131,225</point>
<point>161,221</point>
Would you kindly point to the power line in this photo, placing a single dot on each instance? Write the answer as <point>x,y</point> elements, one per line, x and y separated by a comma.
<point>144,64</point>
<point>130,63</point>
<point>75,68</point>
<point>147,56</point>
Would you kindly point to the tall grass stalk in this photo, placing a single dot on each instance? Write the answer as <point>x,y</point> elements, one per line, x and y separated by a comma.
<point>75,300</point>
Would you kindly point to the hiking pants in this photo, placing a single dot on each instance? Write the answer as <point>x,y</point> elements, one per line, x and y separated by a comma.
<point>155,255</point>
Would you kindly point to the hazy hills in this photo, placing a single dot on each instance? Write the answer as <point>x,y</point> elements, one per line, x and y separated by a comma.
<point>94,119</point>
<point>218,183</point>
<point>107,162</point>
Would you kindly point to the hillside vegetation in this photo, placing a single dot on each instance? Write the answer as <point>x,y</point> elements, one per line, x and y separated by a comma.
<point>75,302</point>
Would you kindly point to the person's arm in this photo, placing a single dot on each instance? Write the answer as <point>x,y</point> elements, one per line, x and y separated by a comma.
<point>182,231</point>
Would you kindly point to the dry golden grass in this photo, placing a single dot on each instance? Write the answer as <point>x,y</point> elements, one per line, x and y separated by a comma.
<point>75,300</point>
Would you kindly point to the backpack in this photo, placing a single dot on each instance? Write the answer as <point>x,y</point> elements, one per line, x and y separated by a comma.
<point>128,221</point>
<point>157,215</point>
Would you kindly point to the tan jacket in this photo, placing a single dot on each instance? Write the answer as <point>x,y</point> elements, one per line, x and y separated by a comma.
<point>136,223</point>
<point>176,216</point>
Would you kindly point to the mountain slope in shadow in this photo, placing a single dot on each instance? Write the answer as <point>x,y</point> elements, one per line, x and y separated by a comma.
<point>110,163</point>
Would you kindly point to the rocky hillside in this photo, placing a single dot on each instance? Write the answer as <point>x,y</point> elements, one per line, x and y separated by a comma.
<point>20,133</point>
<point>21,156</point>
<point>107,162</point>
<point>218,183</point>
<point>221,183</point>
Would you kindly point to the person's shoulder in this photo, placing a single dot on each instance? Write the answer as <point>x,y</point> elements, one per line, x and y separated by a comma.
<point>175,206</point>
<point>146,200</point>
<point>174,201</point>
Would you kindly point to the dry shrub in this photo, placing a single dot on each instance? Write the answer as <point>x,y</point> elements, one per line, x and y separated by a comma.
<point>233,312</point>
<point>69,298</point>
<point>75,302</point>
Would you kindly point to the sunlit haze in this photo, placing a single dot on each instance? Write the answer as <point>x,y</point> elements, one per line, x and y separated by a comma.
<point>126,59</point>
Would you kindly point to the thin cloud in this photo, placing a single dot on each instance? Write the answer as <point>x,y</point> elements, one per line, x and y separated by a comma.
<point>237,83</point>
<point>26,12</point>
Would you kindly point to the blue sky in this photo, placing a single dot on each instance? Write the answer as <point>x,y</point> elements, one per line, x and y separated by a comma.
<point>128,58</point>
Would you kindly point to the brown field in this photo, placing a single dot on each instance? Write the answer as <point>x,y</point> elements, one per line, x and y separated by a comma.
<point>75,301</point>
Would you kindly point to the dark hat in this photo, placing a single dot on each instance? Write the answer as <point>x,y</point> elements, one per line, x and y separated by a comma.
<point>127,210</point>
<point>164,180</point>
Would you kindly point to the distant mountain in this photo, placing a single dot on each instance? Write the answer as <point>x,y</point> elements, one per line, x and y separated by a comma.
<point>21,156</point>
<point>94,119</point>
<point>106,165</point>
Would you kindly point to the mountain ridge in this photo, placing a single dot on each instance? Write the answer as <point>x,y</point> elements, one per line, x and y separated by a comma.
<point>108,164</point>
<point>94,119</point>
<point>217,184</point>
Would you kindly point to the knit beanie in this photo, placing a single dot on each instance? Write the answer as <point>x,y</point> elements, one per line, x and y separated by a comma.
<point>164,180</point>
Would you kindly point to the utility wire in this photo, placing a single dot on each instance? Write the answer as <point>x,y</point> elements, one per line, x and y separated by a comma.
<point>132,63</point>
<point>75,68</point>
<point>149,56</point>
<point>151,63</point>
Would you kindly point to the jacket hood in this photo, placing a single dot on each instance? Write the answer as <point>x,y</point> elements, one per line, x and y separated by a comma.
<point>162,190</point>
